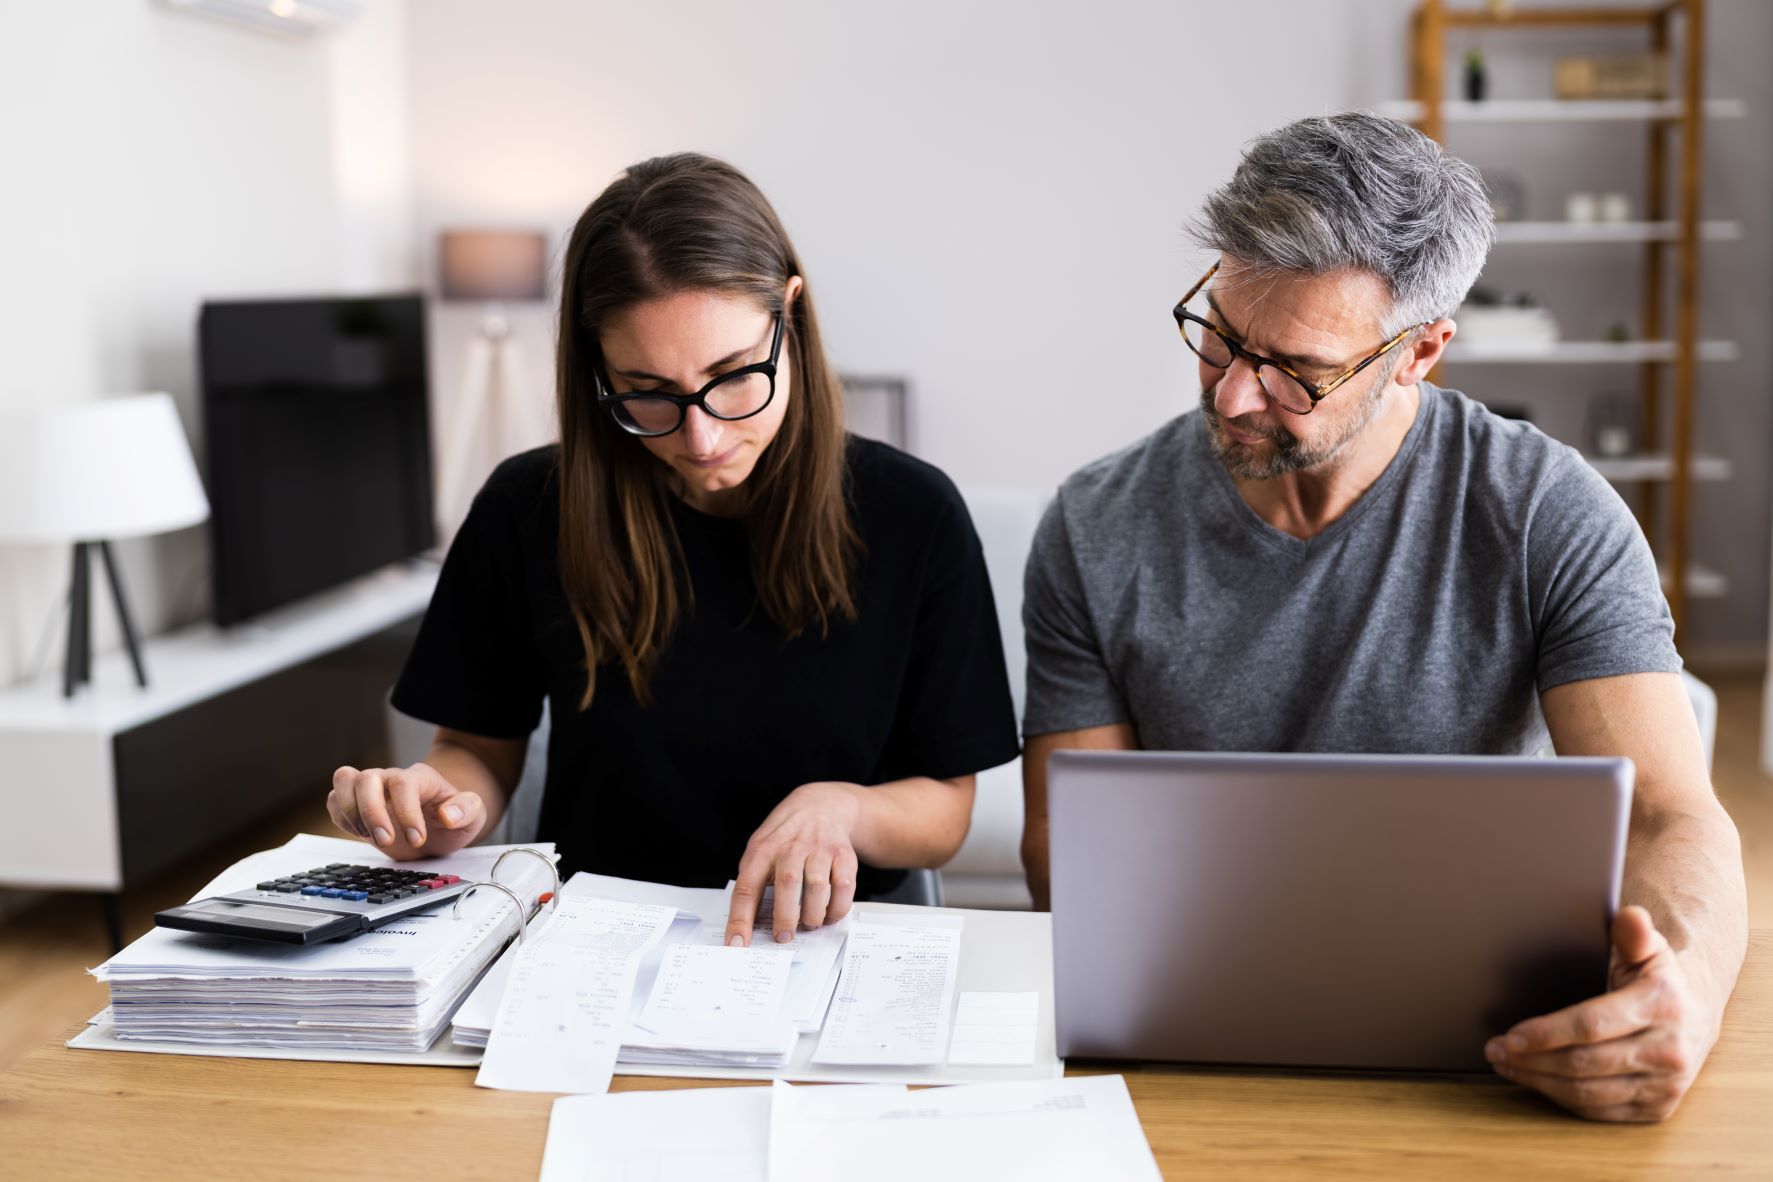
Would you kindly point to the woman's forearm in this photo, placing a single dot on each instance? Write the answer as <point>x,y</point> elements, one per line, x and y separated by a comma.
<point>914,822</point>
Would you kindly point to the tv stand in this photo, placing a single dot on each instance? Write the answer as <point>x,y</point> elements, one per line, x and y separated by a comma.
<point>119,783</point>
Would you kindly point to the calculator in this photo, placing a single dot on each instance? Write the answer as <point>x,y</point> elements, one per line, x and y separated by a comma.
<point>320,904</point>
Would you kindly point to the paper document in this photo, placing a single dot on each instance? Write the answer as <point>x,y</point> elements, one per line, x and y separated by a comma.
<point>814,973</point>
<point>1059,1130</point>
<point>699,1135</point>
<point>995,1029</point>
<point>566,1005</point>
<point>896,996</point>
<point>708,996</point>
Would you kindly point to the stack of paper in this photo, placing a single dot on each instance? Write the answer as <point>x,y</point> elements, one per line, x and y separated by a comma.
<point>1062,1129</point>
<point>393,988</point>
<point>693,1002</point>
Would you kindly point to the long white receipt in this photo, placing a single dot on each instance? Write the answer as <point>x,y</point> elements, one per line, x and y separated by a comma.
<point>567,1003</point>
<point>896,995</point>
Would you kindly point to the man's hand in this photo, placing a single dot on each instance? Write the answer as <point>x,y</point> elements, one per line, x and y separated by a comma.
<point>1628,1055</point>
<point>806,849</point>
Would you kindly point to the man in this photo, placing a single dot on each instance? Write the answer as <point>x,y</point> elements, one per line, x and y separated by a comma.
<point>1334,555</point>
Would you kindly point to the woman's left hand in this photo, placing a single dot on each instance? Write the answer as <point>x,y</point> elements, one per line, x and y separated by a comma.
<point>805,849</point>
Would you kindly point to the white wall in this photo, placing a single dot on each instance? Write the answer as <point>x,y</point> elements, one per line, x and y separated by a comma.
<point>155,160</point>
<point>987,197</point>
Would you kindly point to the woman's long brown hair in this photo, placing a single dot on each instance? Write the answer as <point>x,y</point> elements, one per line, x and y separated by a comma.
<point>667,225</point>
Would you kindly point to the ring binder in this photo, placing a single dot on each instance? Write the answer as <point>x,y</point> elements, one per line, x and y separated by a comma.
<point>491,880</point>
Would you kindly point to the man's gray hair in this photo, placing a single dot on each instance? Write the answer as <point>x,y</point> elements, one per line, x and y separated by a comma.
<point>1357,191</point>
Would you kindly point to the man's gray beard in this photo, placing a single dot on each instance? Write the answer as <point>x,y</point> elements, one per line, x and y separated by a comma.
<point>1289,455</point>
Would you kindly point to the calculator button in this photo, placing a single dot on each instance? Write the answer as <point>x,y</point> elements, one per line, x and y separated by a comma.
<point>268,886</point>
<point>331,893</point>
<point>354,896</point>
<point>450,879</point>
<point>312,890</point>
<point>382,898</point>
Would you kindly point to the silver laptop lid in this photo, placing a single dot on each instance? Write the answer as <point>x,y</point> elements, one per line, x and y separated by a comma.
<point>1326,910</point>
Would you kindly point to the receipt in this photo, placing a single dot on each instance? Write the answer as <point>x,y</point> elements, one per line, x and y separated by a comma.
<point>561,1019</point>
<point>896,997</point>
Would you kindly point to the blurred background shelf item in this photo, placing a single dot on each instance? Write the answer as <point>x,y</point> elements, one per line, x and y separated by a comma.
<point>1546,233</point>
<point>1659,467</point>
<point>1584,352</point>
<point>1561,110</point>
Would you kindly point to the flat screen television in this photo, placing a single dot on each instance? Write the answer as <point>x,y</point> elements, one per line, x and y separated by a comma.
<point>318,441</point>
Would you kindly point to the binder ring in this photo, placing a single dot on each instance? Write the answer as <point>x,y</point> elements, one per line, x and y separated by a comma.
<point>455,912</point>
<point>523,849</point>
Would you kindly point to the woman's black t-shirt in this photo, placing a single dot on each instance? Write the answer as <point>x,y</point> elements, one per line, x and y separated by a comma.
<point>740,716</point>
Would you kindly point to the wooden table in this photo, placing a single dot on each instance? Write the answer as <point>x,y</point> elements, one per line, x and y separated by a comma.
<point>86,1114</point>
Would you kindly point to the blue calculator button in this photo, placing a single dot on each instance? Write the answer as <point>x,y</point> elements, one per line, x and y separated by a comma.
<point>358,896</point>
<point>332,893</point>
<point>312,890</point>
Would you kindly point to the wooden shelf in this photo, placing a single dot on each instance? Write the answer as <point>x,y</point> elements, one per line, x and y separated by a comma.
<point>1515,233</point>
<point>1659,467</point>
<point>1560,110</point>
<point>1671,198</point>
<point>1583,352</point>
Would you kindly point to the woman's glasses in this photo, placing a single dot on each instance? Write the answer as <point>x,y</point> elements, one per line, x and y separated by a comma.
<point>738,394</point>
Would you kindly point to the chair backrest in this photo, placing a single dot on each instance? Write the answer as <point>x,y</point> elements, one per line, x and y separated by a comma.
<point>1005,519</point>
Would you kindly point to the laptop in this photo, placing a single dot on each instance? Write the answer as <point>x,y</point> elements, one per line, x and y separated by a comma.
<point>1370,912</point>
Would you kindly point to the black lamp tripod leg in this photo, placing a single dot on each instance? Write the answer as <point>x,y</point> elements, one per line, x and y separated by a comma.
<point>78,671</point>
<point>123,616</point>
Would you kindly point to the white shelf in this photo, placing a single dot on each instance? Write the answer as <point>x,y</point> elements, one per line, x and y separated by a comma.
<point>1659,467</point>
<point>1583,232</point>
<point>1702,582</point>
<point>1559,110</point>
<point>1583,352</point>
<point>203,661</point>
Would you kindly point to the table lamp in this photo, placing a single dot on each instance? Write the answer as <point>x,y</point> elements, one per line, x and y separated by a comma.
<point>88,473</point>
<point>493,268</point>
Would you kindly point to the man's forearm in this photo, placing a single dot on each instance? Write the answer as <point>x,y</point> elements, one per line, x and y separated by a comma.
<point>1686,869</point>
<point>1034,864</point>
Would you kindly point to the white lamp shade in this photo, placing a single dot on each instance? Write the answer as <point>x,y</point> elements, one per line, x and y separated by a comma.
<point>92,471</point>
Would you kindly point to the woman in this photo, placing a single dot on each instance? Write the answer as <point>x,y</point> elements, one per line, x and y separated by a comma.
<point>769,647</point>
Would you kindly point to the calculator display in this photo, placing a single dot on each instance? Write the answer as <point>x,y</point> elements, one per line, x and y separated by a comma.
<point>254,917</point>
<point>293,918</point>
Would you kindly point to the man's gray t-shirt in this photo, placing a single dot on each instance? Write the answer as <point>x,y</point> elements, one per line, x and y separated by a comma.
<point>1487,564</point>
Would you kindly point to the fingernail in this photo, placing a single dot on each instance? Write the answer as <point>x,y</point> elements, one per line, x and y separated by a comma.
<point>735,941</point>
<point>784,937</point>
<point>451,813</point>
<point>414,837</point>
<point>1494,1052</point>
<point>383,837</point>
<point>1513,1044</point>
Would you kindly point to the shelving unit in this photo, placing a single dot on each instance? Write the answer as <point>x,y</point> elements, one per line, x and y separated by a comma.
<point>1670,237</point>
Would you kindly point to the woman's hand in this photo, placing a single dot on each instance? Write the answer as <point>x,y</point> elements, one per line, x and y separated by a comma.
<point>407,813</point>
<point>805,849</point>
